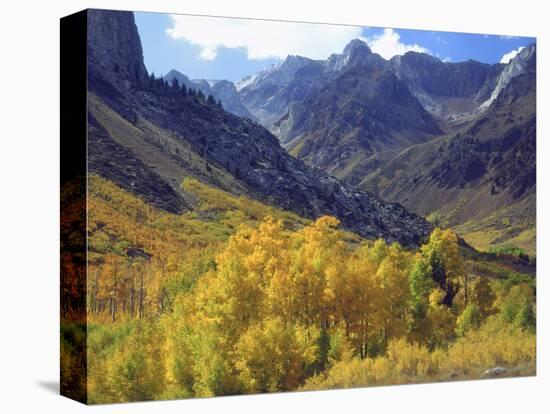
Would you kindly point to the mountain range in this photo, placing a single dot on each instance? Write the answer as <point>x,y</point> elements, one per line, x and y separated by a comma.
<point>454,142</point>
<point>147,137</point>
<point>480,180</point>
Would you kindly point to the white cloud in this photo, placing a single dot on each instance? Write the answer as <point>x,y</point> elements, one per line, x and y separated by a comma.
<point>507,37</point>
<point>443,59</point>
<point>388,44</point>
<point>510,55</point>
<point>261,39</point>
<point>439,39</point>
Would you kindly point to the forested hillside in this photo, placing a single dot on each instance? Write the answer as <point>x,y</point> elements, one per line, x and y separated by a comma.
<point>238,297</point>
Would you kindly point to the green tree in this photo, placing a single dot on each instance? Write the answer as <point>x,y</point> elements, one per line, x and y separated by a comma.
<point>515,306</point>
<point>468,320</point>
<point>484,297</point>
<point>421,284</point>
<point>526,317</point>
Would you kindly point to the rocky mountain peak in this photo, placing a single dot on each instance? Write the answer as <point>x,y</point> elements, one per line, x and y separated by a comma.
<point>294,62</point>
<point>356,52</point>
<point>177,75</point>
<point>276,75</point>
<point>527,52</point>
<point>525,60</point>
<point>355,47</point>
<point>283,72</point>
<point>421,56</point>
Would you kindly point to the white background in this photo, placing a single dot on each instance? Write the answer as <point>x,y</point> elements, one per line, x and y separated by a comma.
<point>29,174</point>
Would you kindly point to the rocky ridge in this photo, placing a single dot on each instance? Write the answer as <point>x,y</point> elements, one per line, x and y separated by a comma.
<point>222,90</point>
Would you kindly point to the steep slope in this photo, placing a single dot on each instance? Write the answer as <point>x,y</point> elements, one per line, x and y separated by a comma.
<point>223,90</point>
<point>447,90</point>
<point>360,108</point>
<point>520,64</point>
<point>175,135</point>
<point>269,93</point>
<point>365,110</point>
<point>482,179</point>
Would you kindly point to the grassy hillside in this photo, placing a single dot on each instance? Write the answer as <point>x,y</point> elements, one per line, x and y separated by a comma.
<point>514,225</point>
<point>119,221</point>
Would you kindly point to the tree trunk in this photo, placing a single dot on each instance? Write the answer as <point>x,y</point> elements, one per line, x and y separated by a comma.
<point>141,297</point>
<point>465,290</point>
<point>96,287</point>
<point>132,293</point>
<point>114,299</point>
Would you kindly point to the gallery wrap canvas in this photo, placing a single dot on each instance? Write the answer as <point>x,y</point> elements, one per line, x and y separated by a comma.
<point>256,206</point>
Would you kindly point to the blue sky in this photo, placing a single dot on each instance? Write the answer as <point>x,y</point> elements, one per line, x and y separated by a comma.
<point>222,48</point>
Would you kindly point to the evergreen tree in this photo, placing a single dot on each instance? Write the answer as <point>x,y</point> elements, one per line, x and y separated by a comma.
<point>526,317</point>
<point>421,284</point>
<point>152,80</point>
<point>470,319</point>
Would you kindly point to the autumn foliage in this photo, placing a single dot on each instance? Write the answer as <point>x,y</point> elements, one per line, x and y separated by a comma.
<point>236,297</point>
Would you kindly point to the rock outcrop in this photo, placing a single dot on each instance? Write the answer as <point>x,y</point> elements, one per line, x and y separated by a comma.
<point>114,51</point>
<point>269,93</point>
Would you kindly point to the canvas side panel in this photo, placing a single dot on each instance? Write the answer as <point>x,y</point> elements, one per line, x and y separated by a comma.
<point>73,96</point>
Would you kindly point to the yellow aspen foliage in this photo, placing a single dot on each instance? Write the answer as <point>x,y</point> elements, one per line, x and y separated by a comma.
<point>271,357</point>
<point>442,319</point>
<point>235,296</point>
<point>393,294</point>
<point>410,360</point>
<point>316,248</point>
<point>446,263</point>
